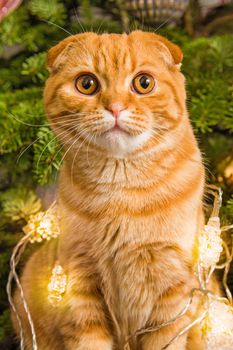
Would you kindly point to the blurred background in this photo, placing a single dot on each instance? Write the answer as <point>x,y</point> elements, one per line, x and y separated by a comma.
<point>29,154</point>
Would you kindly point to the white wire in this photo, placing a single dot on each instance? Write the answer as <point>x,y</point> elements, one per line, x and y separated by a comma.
<point>16,255</point>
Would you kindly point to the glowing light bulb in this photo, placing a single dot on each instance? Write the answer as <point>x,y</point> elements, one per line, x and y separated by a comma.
<point>57,285</point>
<point>210,243</point>
<point>218,326</point>
<point>43,225</point>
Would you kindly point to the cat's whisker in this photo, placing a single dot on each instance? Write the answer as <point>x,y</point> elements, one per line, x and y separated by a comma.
<point>100,26</point>
<point>45,115</point>
<point>75,140</point>
<point>63,157</point>
<point>98,122</point>
<point>88,123</point>
<point>72,123</point>
<point>42,152</point>
<point>77,117</point>
<point>49,124</point>
<point>95,120</point>
<point>136,123</point>
<point>163,23</point>
<point>21,122</point>
<point>28,124</point>
<point>83,30</point>
<point>60,149</point>
<point>78,20</point>
<point>63,138</point>
<point>68,117</point>
<point>65,123</point>
<point>73,113</point>
<point>31,144</point>
<point>56,25</point>
<point>76,153</point>
<point>91,138</point>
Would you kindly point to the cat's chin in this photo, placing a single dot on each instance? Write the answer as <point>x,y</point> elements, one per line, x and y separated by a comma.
<point>119,143</point>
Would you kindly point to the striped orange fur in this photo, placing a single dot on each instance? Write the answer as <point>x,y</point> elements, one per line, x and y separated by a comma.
<point>130,198</point>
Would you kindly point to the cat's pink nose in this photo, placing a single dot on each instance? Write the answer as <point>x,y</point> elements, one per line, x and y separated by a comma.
<point>115,109</point>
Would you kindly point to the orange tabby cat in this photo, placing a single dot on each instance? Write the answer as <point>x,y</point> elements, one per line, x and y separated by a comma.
<point>130,197</point>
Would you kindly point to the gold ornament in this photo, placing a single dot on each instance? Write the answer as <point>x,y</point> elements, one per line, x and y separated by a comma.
<point>218,326</point>
<point>43,225</point>
<point>210,243</point>
<point>57,284</point>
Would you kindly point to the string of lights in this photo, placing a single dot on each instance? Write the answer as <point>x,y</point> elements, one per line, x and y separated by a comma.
<point>216,315</point>
<point>217,334</point>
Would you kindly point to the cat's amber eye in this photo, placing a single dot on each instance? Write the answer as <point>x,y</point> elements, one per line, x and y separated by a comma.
<point>87,84</point>
<point>143,83</point>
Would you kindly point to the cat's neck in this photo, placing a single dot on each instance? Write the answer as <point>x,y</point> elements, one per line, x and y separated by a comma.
<point>98,186</point>
<point>96,169</point>
<point>92,169</point>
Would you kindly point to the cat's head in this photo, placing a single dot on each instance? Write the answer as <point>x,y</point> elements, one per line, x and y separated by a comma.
<point>119,92</point>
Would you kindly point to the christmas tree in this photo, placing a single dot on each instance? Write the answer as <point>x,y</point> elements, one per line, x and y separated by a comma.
<point>30,153</point>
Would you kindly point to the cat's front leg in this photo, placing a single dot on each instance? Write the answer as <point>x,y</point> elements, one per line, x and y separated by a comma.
<point>158,340</point>
<point>92,339</point>
<point>174,288</point>
<point>165,310</point>
<point>84,325</point>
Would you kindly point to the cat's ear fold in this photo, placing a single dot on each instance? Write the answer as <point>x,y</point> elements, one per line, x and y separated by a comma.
<point>175,52</point>
<point>57,54</point>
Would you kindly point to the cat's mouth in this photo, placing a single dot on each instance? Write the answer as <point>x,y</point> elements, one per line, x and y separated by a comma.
<point>120,141</point>
<point>116,129</point>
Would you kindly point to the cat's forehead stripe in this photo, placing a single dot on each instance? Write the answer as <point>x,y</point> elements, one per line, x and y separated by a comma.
<point>112,56</point>
<point>108,53</point>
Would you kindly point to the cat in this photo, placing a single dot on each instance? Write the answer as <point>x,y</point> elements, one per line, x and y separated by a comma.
<point>130,197</point>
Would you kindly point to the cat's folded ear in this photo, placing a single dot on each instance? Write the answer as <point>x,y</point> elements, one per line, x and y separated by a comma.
<point>57,54</point>
<point>171,53</point>
<point>175,52</point>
